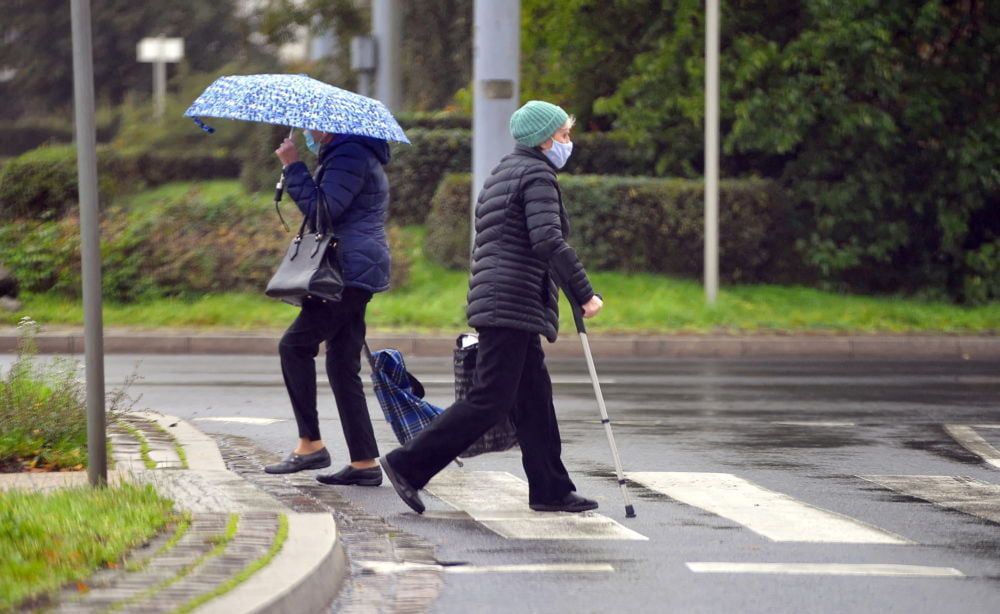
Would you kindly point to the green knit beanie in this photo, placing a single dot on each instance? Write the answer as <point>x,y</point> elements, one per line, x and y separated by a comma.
<point>536,122</point>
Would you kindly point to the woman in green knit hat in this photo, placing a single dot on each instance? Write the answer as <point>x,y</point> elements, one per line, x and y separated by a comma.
<point>520,254</point>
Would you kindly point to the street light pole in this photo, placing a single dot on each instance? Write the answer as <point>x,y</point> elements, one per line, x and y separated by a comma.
<point>90,240</point>
<point>711,150</point>
<point>496,71</point>
<point>387,28</point>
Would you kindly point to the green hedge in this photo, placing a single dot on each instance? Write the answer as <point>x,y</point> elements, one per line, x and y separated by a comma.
<point>202,239</point>
<point>434,121</point>
<point>643,224</point>
<point>43,182</point>
<point>23,135</point>
<point>416,169</point>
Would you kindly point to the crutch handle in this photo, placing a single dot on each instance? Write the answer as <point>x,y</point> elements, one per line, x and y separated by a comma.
<point>574,306</point>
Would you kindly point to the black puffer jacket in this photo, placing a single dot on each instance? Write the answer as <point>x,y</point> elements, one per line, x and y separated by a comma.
<point>521,230</point>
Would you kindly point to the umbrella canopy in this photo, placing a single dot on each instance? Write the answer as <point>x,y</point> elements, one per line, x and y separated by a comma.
<point>400,395</point>
<point>296,101</point>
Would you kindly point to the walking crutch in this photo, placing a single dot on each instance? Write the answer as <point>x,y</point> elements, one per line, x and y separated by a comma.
<point>582,329</point>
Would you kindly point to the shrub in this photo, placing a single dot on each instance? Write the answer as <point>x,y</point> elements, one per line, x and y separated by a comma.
<point>43,410</point>
<point>25,134</point>
<point>416,169</point>
<point>434,121</point>
<point>43,182</point>
<point>185,243</point>
<point>638,224</point>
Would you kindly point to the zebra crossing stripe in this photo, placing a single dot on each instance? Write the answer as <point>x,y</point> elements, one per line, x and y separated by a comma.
<point>774,515</point>
<point>980,499</point>
<point>968,438</point>
<point>829,569</point>
<point>391,567</point>
<point>499,501</point>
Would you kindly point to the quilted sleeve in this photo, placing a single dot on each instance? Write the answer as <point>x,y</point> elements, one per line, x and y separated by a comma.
<point>541,212</point>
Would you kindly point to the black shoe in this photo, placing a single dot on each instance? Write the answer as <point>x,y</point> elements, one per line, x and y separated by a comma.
<point>406,492</point>
<point>572,502</point>
<point>300,462</point>
<point>351,476</point>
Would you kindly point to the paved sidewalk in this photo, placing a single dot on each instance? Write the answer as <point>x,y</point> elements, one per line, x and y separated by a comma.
<point>170,341</point>
<point>229,525</point>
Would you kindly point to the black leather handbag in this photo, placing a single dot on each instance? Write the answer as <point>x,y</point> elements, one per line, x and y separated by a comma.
<point>311,266</point>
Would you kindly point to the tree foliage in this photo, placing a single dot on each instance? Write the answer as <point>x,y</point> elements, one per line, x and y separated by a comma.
<point>36,42</point>
<point>436,42</point>
<point>880,117</point>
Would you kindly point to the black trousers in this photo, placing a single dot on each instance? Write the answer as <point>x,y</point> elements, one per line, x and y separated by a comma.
<point>510,377</point>
<point>342,326</point>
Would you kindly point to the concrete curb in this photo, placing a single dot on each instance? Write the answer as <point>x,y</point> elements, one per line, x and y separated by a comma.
<point>307,573</point>
<point>967,347</point>
<point>305,576</point>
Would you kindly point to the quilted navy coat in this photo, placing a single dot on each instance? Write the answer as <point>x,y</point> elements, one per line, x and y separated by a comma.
<point>357,195</point>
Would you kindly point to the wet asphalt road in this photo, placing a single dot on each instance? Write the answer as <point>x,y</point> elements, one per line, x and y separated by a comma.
<point>805,429</point>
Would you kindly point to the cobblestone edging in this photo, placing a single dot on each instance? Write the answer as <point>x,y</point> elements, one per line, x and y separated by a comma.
<point>365,537</point>
<point>208,561</point>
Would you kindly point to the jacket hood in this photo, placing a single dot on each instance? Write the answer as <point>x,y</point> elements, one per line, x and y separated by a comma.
<point>377,146</point>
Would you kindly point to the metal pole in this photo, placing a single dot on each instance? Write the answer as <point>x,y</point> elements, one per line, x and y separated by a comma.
<point>159,88</point>
<point>711,150</point>
<point>365,83</point>
<point>496,87</point>
<point>90,240</point>
<point>387,27</point>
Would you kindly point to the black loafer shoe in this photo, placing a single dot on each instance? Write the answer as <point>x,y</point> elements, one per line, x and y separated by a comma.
<point>572,502</point>
<point>406,492</point>
<point>349,476</point>
<point>296,462</point>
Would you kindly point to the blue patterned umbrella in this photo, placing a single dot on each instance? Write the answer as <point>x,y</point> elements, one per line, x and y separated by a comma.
<point>296,101</point>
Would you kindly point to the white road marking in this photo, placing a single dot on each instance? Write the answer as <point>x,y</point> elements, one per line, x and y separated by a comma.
<point>807,423</point>
<point>499,501</point>
<point>241,420</point>
<point>963,494</point>
<point>987,426</point>
<point>556,380</point>
<point>389,567</point>
<point>828,569</point>
<point>968,438</point>
<point>774,515</point>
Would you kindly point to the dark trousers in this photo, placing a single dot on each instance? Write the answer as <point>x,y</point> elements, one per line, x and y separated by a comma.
<point>510,377</point>
<point>342,326</point>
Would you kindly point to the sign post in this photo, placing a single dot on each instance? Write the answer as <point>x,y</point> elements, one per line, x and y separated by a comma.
<point>159,50</point>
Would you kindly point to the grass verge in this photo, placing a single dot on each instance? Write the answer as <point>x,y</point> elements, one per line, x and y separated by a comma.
<point>50,539</point>
<point>434,302</point>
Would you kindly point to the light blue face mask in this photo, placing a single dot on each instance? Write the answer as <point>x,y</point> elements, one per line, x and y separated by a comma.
<point>311,142</point>
<point>559,153</point>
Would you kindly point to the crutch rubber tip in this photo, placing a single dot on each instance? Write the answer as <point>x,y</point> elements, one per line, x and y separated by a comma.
<point>629,511</point>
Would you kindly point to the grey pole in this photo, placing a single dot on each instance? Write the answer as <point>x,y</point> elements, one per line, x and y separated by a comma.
<point>711,150</point>
<point>496,68</point>
<point>159,86</point>
<point>387,27</point>
<point>90,240</point>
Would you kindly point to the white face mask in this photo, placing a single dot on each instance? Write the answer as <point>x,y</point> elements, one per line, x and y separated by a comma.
<point>559,153</point>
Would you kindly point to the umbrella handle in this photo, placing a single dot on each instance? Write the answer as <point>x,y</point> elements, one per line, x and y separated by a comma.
<point>279,190</point>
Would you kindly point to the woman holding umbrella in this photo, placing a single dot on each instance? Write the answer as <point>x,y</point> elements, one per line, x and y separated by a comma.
<point>521,230</point>
<point>352,185</point>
